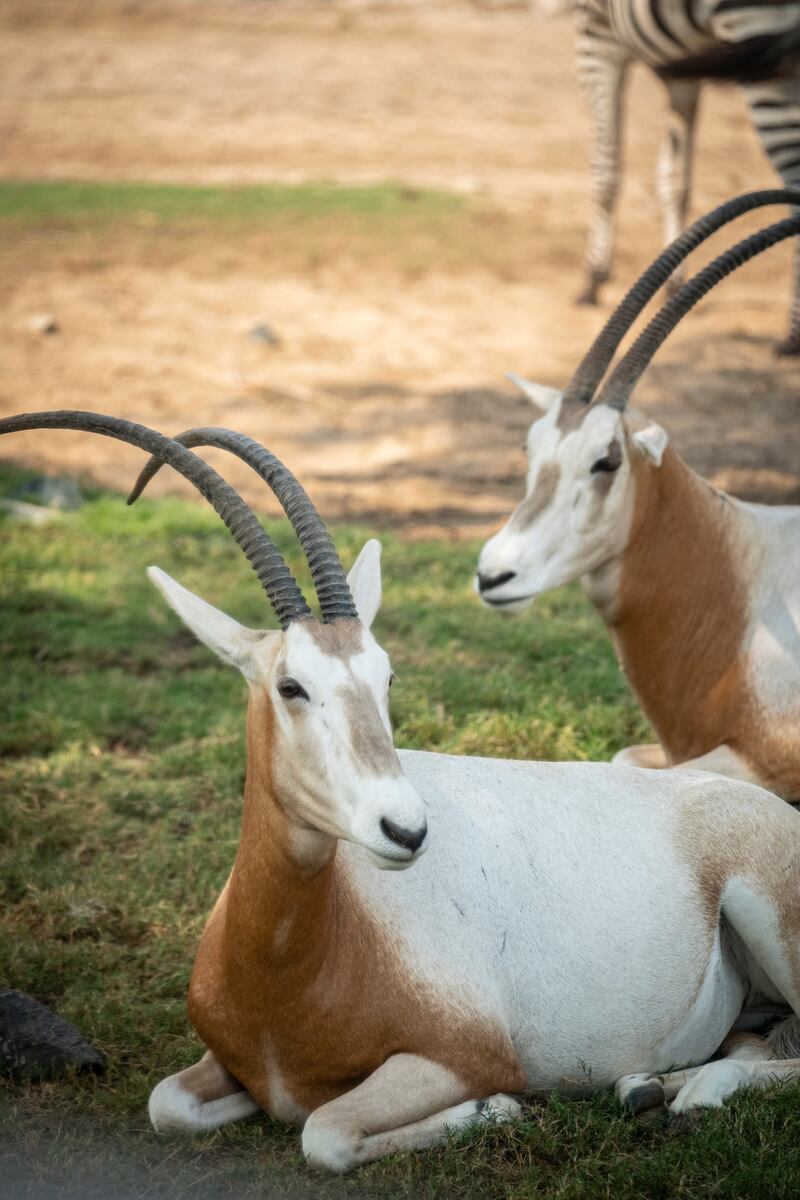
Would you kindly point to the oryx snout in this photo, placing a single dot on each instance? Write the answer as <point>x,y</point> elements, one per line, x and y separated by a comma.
<point>393,826</point>
<point>499,579</point>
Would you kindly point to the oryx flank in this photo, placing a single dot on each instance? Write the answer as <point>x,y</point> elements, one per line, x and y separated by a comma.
<point>570,925</point>
<point>701,592</point>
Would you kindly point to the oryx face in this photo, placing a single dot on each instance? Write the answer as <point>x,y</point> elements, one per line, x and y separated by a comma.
<point>579,500</point>
<point>319,732</point>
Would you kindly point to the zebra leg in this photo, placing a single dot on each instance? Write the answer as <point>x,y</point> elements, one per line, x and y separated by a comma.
<point>674,172</point>
<point>775,111</point>
<point>602,67</point>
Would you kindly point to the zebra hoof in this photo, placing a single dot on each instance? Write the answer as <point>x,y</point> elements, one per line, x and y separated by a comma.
<point>789,347</point>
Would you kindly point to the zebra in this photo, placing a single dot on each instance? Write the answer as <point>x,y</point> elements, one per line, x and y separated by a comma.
<point>753,43</point>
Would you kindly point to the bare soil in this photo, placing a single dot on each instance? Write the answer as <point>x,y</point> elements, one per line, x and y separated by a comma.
<point>386,392</point>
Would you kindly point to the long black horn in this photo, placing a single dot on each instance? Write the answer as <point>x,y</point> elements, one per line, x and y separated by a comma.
<point>264,557</point>
<point>330,581</point>
<point>621,382</point>
<point>594,364</point>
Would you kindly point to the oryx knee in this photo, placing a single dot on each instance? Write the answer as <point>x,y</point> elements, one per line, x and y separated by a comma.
<point>175,1107</point>
<point>330,1146</point>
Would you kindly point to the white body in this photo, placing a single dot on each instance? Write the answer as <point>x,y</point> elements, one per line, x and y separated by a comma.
<point>534,872</point>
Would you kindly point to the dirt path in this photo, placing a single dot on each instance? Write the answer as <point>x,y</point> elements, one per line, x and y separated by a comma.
<point>386,393</point>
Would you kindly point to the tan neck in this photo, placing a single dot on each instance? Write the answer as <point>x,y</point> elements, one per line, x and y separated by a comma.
<point>680,611</point>
<point>280,893</point>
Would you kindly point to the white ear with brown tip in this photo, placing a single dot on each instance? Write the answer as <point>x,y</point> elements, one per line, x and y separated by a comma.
<point>232,642</point>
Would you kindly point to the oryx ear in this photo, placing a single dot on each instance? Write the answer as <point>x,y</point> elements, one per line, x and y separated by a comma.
<point>234,643</point>
<point>540,396</point>
<point>365,581</point>
<point>652,441</point>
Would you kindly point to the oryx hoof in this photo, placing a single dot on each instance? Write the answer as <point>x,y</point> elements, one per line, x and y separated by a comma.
<point>640,1092</point>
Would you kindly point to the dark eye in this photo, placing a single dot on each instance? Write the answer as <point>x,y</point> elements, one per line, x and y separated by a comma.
<point>290,689</point>
<point>611,460</point>
<point>606,464</point>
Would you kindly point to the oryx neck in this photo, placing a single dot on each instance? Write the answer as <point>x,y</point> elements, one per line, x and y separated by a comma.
<point>681,608</point>
<point>281,887</point>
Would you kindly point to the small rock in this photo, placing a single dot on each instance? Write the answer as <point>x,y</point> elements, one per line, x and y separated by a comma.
<point>37,1044</point>
<point>51,492</point>
<point>43,323</point>
<point>263,334</point>
<point>32,514</point>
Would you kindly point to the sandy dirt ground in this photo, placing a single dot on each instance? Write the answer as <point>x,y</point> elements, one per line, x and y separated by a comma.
<point>386,393</point>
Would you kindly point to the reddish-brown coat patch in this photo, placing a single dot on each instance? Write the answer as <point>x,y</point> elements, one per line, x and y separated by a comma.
<point>680,624</point>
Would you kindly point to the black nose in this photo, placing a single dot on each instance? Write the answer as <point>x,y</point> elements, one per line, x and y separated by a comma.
<point>409,839</point>
<point>487,582</point>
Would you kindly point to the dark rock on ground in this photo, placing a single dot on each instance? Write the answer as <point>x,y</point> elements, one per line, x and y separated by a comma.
<point>37,1044</point>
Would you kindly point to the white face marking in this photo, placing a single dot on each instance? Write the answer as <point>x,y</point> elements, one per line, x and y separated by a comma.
<point>575,516</point>
<point>333,757</point>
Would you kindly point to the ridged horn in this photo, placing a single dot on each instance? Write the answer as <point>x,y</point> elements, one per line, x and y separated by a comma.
<point>330,581</point>
<point>264,557</point>
<point>594,364</point>
<point>618,387</point>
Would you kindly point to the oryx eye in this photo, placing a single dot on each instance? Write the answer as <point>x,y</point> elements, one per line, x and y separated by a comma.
<point>290,689</point>
<point>606,464</point>
<point>611,460</point>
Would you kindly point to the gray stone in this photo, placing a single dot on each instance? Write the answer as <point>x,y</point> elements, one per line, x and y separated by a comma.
<point>37,1044</point>
<point>264,334</point>
<point>51,491</point>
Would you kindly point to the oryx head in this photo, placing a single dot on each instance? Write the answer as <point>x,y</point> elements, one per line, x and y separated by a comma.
<point>576,513</point>
<point>320,717</point>
<point>585,449</point>
<point>320,688</point>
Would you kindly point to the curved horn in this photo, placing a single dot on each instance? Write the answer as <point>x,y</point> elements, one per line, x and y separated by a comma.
<point>619,385</point>
<point>592,367</point>
<point>330,581</point>
<point>282,591</point>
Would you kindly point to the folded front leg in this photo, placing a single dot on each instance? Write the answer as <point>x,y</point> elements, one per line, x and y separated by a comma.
<point>409,1103</point>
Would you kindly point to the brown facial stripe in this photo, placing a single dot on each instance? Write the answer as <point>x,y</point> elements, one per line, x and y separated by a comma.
<point>336,997</point>
<point>371,743</point>
<point>341,638</point>
<point>540,498</point>
<point>603,481</point>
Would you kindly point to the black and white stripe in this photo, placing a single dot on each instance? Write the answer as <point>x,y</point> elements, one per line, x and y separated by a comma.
<point>754,43</point>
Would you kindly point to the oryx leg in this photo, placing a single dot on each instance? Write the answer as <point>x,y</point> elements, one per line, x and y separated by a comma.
<point>602,67</point>
<point>643,1091</point>
<point>409,1103</point>
<point>722,761</point>
<point>674,172</point>
<point>650,755</point>
<point>764,919</point>
<point>201,1097</point>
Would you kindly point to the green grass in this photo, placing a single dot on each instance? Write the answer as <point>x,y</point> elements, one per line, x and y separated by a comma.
<point>90,203</point>
<point>121,775</point>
